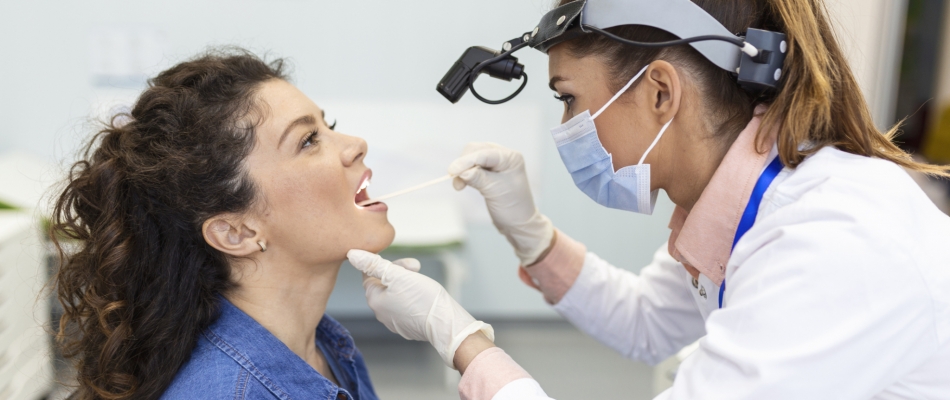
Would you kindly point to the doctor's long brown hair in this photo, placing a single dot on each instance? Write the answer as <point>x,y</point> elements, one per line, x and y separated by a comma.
<point>137,281</point>
<point>818,100</point>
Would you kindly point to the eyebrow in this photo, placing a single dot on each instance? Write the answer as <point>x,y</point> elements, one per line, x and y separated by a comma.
<point>554,80</point>
<point>304,120</point>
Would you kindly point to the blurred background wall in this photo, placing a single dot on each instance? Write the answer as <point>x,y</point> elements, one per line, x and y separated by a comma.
<point>373,65</point>
<point>68,62</point>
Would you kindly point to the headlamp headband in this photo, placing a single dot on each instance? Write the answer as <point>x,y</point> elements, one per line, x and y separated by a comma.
<point>755,59</point>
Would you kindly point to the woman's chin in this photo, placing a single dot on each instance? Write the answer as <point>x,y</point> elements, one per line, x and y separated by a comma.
<point>388,237</point>
<point>380,240</point>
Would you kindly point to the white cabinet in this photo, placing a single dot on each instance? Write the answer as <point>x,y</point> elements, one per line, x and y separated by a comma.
<point>26,369</point>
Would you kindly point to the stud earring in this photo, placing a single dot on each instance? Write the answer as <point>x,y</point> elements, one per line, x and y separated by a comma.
<point>261,243</point>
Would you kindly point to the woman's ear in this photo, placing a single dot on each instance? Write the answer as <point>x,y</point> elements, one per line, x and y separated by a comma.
<point>665,89</point>
<point>231,235</point>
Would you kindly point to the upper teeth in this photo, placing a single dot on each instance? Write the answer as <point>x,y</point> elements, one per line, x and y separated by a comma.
<point>363,185</point>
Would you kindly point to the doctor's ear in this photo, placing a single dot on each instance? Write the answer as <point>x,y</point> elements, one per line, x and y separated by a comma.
<point>232,235</point>
<point>665,90</point>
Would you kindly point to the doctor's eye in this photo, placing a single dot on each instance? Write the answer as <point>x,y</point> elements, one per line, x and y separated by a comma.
<point>566,99</point>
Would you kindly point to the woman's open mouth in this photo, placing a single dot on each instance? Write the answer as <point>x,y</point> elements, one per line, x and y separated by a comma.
<point>362,194</point>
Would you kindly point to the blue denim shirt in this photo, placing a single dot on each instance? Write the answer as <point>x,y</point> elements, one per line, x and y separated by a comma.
<point>236,358</point>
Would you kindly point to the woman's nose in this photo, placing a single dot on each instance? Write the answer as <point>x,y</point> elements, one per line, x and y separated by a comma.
<point>354,150</point>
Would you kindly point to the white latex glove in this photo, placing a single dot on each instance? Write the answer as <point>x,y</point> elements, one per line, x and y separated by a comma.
<point>502,180</point>
<point>414,305</point>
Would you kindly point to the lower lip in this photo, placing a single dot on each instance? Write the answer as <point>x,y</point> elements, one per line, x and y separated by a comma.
<point>378,207</point>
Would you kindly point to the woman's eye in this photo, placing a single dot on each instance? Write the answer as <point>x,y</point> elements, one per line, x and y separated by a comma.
<point>566,99</point>
<point>310,140</point>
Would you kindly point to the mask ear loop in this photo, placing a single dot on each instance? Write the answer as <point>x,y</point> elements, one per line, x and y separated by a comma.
<point>624,89</point>
<point>621,92</point>
<point>642,202</point>
<point>654,142</point>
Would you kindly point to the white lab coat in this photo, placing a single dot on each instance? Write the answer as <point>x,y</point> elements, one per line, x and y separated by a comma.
<point>841,290</point>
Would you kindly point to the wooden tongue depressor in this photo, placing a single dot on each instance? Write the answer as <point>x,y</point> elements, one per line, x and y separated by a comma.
<point>412,189</point>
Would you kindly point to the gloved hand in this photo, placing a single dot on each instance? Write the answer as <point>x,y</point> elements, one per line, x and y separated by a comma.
<point>502,180</point>
<point>415,306</point>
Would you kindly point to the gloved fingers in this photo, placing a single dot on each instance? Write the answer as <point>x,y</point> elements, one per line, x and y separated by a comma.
<point>458,183</point>
<point>459,167</point>
<point>488,159</point>
<point>367,280</point>
<point>410,264</point>
<point>475,178</point>
<point>371,264</point>
<point>374,292</point>
<point>461,164</point>
<point>372,285</point>
<point>466,161</point>
<point>486,155</point>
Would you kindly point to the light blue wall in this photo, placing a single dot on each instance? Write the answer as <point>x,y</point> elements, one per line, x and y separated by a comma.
<point>346,50</point>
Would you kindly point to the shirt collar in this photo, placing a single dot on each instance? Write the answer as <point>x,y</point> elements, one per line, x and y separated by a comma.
<point>270,361</point>
<point>702,238</point>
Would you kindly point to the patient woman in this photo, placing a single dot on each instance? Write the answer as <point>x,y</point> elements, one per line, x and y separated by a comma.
<point>202,234</point>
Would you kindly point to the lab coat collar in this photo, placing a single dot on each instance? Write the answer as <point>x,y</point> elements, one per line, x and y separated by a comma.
<point>702,238</point>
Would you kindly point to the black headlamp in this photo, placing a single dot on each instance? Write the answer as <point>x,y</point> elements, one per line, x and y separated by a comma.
<point>756,59</point>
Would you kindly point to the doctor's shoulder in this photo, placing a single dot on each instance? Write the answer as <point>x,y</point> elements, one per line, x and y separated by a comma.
<point>849,209</point>
<point>870,190</point>
<point>851,236</point>
<point>855,195</point>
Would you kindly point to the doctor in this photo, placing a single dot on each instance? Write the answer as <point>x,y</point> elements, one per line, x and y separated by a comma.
<point>802,256</point>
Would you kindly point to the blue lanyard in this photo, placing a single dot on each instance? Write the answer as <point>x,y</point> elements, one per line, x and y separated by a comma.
<point>752,209</point>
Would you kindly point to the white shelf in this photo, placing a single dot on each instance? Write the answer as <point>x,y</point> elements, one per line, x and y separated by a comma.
<point>26,369</point>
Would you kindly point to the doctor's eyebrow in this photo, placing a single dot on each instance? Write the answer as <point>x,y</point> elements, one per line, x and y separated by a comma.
<point>554,80</point>
<point>308,119</point>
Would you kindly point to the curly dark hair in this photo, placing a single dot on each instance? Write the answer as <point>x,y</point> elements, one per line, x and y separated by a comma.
<point>137,280</point>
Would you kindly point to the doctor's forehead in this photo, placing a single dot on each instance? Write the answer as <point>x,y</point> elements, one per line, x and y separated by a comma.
<point>565,67</point>
<point>556,63</point>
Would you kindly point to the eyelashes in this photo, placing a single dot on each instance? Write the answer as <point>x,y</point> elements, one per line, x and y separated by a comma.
<point>566,99</point>
<point>311,139</point>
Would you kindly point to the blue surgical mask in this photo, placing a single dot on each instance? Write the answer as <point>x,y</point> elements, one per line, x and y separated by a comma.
<point>591,166</point>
